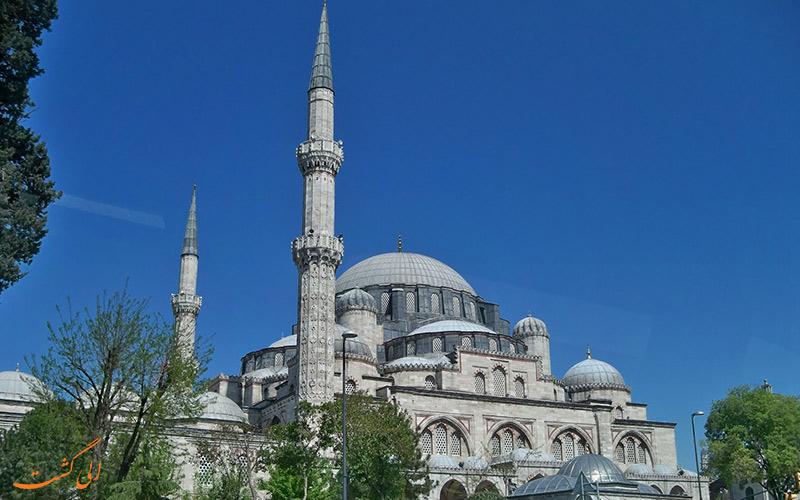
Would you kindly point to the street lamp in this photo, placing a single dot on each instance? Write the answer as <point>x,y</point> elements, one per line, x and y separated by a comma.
<point>345,336</point>
<point>696,461</point>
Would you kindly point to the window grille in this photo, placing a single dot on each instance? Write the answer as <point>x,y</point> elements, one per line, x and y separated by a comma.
<point>521,442</point>
<point>472,311</point>
<point>499,382</point>
<point>384,302</point>
<point>580,448</point>
<point>556,451</point>
<point>441,440</point>
<point>508,442</point>
<point>466,342</point>
<point>435,303</point>
<point>241,462</point>
<point>480,384</point>
<point>437,344</point>
<point>279,359</point>
<point>495,445</point>
<point>425,441</point>
<point>455,444</point>
<point>205,471</point>
<point>620,455</point>
<point>519,387</point>
<point>641,454</point>
<point>350,387</point>
<point>411,302</point>
<point>456,306</point>
<point>630,452</point>
<point>569,447</point>
<point>430,383</point>
<point>411,348</point>
<point>492,345</point>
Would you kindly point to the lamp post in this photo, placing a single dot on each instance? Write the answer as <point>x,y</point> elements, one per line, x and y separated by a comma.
<point>345,336</point>
<point>696,461</point>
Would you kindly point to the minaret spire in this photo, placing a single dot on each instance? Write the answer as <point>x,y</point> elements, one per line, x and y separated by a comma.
<point>186,304</point>
<point>317,252</point>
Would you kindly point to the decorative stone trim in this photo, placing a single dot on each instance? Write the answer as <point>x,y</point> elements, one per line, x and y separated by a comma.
<point>319,155</point>
<point>499,354</point>
<point>317,247</point>
<point>357,357</point>
<point>183,303</point>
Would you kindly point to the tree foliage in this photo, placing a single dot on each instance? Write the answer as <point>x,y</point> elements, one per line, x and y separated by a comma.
<point>754,436</point>
<point>25,191</point>
<point>120,366</point>
<point>234,453</point>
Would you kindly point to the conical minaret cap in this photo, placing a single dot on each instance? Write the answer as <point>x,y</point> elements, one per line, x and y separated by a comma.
<point>190,237</point>
<point>321,72</point>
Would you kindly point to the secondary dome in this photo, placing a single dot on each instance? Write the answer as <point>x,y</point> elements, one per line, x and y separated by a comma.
<point>593,374</point>
<point>355,299</point>
<point>219,407</point>
<point>530,327</point>
<point>451,325</point>
<point>290,341</point>
<point>18,386</point>
<point>400,268</point>
<point>596,468</point>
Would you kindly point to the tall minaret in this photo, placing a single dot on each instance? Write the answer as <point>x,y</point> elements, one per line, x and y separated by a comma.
<point>186,304</point>
<point>317,252</point>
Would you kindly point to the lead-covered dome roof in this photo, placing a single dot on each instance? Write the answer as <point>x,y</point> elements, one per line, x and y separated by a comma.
<point>355,299</point>
<point>596,468</point>
<point>530,327</point>
<point>18,386</point>
<point>593,374</point>
<point>219,407</point>
<point>401,268</point>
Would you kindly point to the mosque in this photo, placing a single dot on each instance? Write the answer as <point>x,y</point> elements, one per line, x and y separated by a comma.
<point>491,413</point>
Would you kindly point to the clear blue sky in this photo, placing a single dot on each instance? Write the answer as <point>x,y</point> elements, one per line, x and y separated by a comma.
<point>626,171</point>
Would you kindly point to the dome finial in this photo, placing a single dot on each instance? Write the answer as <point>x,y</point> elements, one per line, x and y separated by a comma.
<point>399,242</point>
<point>17,369</point>
<point>588,352</point>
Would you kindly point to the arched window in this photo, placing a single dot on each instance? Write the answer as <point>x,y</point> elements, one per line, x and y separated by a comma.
<point>492,344</point>
<point>748,493</point>
<point>455,444</point>
<point>499,376</point>
<point>494,445</point>
<point>620,454</point>
<point>435,303</point>
<point>441,440</point>
<point>480,384</point>
<point>279,359</point>
<point>384,302</point>
<point>437,344</point>
<point>631,450</point>
<point>556,451</point>
<point>411,302</point>
<point>512,348</point>
<point>618,412</point>
<point>430,383</point>
<point>641,454</point>
<point>426,441</point>
<point>471,311</point>
<point>507,439</point>
<point>677,490</point>
<point>519,387</point>
<point>411,348</point>
<point>350,386</point>
<point>571,444</point>
<point>456,306</point>
<point>520,442</point>
<point>466,342</point>
<point>630,453</point>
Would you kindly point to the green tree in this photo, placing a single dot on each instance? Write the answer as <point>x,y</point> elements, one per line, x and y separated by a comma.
<point>383,457</point>
<point>120,366</point>
<point>754,436</point>
<point>234,452</point>
<point>25,191</point>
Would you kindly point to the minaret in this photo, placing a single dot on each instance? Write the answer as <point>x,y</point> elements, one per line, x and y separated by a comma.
<point>317,252</point>
<point>186,304</point>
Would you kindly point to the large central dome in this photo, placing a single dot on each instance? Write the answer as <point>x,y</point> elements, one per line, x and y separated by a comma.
<point>400,268</point>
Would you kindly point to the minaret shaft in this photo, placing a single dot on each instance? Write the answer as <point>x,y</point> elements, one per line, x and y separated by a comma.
<point>186,303</point>
<point>317,252</point>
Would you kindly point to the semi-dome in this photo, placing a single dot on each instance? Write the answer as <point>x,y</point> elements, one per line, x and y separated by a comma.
<point>665,470</point>
<point>355,299</point>
<point>530,327</point>
<point>18,386</point>
<point>354,346</point>
<point>474,463</point>
<point>596,468</point>
<point>452,325</point>
<point>593,374</point>
<point>401,268</point>
<point>640,469</point>
<point>442,462</point>
<point>219,407</point>
<point>290,341</point>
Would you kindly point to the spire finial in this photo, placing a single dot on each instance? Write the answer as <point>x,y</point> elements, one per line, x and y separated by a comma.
<point>588,352</point>
<point>321,71</point>
<point>399,242</point>
<point>17,369</point>
<point>190,236</point>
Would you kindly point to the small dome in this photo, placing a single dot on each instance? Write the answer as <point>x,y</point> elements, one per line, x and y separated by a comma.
<point>219,407</point>
<point>409,362</point>
<point>402,268</point>
<point>475,463</point>
<point>593,374</point>
<point>531,327</point>
<point>452,325</point>
<point>354,346</point>
<point>442,462</point>
<point>640,469</point>
<point>664,470</point>
<point>18,386</point>
<point>355,299</point>
<point>290,341</point>
<point>262,372</point>
<point>596,468</point>
<point>548,484</point>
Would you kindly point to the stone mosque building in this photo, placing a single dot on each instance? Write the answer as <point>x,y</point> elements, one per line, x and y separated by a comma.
<point>492,415</point>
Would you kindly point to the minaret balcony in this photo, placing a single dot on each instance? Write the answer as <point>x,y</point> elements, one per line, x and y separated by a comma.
<point>185,303</point>
<point>320,247</point>
<point>319,155</point>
